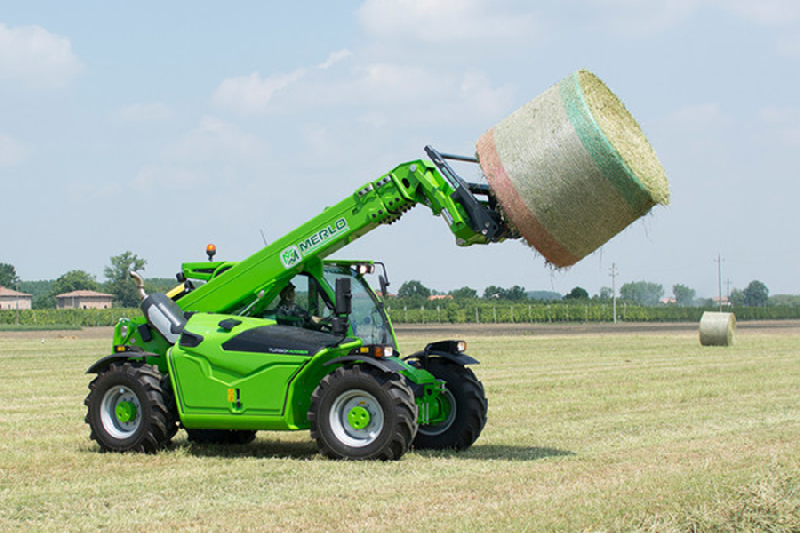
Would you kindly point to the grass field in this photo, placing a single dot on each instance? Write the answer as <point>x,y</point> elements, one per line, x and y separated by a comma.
<point>593,432</point>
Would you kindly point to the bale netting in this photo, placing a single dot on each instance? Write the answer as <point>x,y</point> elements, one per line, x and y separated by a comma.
<point>571,169</point>
<point>717,329</point>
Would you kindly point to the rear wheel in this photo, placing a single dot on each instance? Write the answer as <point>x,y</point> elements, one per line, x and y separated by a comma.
<point>363,413</point>
<point>463,405</point>
<point>131,408</point>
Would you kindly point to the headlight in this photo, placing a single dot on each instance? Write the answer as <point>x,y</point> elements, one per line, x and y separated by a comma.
<point>374,350</point>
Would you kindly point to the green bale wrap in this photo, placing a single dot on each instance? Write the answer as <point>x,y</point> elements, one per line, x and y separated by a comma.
<point>571,169</point>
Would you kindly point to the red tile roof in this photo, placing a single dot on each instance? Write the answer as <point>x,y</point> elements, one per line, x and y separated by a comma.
<point>4,291</point>
<point>78,294</point>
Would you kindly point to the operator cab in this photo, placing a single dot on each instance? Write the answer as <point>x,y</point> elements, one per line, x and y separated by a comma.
<point>368,317</point>
<point>312,306</point>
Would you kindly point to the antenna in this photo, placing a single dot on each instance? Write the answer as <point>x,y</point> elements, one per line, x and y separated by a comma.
<point>263,237</point>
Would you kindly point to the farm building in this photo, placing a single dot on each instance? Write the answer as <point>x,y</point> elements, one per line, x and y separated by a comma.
<point>10,299</point>
<point>84,300</point>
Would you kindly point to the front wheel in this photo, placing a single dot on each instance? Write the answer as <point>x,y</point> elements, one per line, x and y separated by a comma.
<point>362,413</point>
<point>464,405</point>
<point>131,408</point>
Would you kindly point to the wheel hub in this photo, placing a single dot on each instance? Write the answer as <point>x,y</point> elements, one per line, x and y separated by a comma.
<point>125,411</point>
<point>358,417</point>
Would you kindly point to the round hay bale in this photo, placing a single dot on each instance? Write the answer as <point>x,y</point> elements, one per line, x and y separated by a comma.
<point>571,169</point>
<point>717,329</point>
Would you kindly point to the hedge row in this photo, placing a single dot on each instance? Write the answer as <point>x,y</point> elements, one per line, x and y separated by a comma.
<point>66,317</point>
<point>574,312</point>
<point>448,313</point>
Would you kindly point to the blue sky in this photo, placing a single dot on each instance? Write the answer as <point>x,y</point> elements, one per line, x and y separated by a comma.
<point>157,127</point>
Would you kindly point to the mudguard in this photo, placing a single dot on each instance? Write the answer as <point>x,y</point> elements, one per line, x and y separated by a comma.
<point>105,362</point>
<point>386,365</point>
<point>458,358</point>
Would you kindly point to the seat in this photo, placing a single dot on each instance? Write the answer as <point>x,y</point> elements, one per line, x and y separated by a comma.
<point>164,315</point>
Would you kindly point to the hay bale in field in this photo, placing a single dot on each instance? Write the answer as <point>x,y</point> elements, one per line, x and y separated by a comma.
<point>717,329</point>
<point>571,169</point>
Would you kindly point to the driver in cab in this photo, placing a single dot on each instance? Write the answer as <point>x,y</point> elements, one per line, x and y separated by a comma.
<point>290,313</point>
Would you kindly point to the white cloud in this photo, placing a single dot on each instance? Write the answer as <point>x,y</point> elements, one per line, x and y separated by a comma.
<point>164,178</point>
<point>782,122</point>
<point>765,12</point>
<point>154,112</point>
<point>12,152</point>
<point>216,139</point>
<point>36,58</point>
<point>252,94</point>
<point>335,57</point>
<point>450,21</point>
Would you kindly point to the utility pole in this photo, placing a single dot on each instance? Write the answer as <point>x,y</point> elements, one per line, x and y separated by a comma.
<point>614,289</point>
<point>719,260</point>
<point>728,292</point>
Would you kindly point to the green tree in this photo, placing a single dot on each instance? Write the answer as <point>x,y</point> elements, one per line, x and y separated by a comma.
<point>516,293</point>
<point>756,294</point>
<point>494,292</point>
<point>8,276</point>
<point>642,292</point>
<point>41,291</point>
<point>413,288</point>
<point>606,293</point>
<point>577,293</point>
<point>464,293</point>
<point>119,282</point>
<point>684,296</point>
<point>736,298</point>
<point>74,280</point>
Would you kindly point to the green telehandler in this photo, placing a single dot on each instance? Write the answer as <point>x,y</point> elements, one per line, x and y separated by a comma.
<point>289,340</point>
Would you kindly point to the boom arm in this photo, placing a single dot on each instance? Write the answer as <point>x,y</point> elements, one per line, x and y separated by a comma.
<point>378,202</point>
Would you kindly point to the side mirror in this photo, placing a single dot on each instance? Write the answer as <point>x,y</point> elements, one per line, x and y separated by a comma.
<point>384,286</point>
<point>344,306</point>
<point>344,296</point>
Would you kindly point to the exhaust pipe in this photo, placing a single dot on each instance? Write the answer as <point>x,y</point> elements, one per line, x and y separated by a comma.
<point>139,283</point>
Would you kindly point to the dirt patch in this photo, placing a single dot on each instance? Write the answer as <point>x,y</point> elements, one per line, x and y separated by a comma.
<point>83,333</point>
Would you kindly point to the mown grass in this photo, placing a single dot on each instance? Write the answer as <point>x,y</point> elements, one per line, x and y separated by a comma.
<point>601,433</point>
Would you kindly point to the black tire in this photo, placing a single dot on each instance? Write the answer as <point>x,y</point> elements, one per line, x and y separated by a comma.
<point>468,409</point>
<point>361,413</point>
<point>221,436</point>
<point>131,408</point>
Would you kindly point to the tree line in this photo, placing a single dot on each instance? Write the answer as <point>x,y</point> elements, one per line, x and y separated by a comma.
<point>412,293</point>
<point>117,283</point>
<point>642,293</point>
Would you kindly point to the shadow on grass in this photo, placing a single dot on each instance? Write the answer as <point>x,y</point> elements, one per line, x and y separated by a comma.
<point>260,449</point>
<point>499,452</point>
<point>305,450</point>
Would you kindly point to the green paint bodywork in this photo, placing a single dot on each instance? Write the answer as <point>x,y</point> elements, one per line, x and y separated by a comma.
<point>218,388</point>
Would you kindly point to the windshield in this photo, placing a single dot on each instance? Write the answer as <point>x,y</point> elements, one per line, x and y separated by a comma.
<point>367,320</point>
